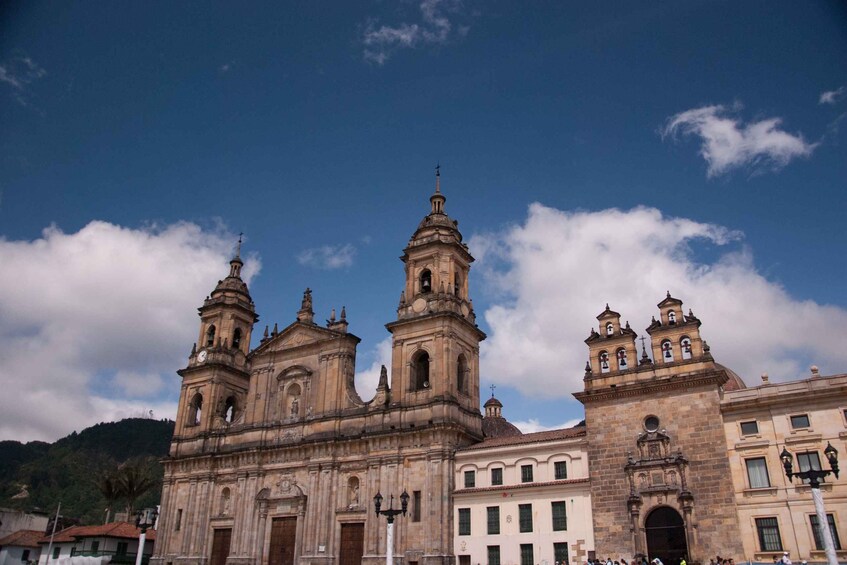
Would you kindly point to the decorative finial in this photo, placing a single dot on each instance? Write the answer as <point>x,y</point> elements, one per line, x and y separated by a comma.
<point>332,316</point>
<point>627,325</point>
<point>238,249</point>
<point>492,387</point>
<point>438,178</point>
<point>669,294</point>
<point>343,312</point>
<point>587,367</point>
<point>306,314</point>
<point>607,307</point>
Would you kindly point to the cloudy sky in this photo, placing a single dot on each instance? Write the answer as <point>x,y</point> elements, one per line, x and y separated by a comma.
<point>592,152</point>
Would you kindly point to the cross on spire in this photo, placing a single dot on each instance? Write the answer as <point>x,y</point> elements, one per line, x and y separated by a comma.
<point>238,249</point>
<point>492,387</point>
<point>437,178</point>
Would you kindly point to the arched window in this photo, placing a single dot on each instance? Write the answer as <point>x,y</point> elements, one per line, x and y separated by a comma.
<point>462,374</point>
<point>621,355</point>
<point>229,409</point>
<point>685,345</point>
<point>195,410</point>
<point>610,329</point>
<point>667,351</point>
<point>210,336</point>
<point>225,501</point>
<point>604,362</point>
<point>426,281</point>
<point>353,492</point>
<point>420,371</point>
<point>671,317</point>
<point>457,285</point>
<point>236,338</point>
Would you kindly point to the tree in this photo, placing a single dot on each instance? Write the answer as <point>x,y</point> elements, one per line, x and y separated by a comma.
<point>109,485</point>
<point>135,479</point>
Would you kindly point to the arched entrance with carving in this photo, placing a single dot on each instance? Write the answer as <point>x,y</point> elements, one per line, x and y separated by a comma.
<point>666,535</point>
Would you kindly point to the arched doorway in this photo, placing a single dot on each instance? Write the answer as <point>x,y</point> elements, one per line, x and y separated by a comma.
<point>666,535</point>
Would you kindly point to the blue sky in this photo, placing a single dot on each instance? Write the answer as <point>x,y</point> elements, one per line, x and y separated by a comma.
<point>592,152</point>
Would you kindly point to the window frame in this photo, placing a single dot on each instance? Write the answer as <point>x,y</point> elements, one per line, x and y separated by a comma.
<point>795,426</point>
<point>498,480</point>
<point>761,534</point>
<point>525,518</point>
<point>563,466</point>
<point>748,433</point>
<point>416,506</point>
<point>492,515</point>
<point>764,462</point>
<point>493,551</point>
<point>464,521</point>
<point>560,518</point>
<point>527,559</point>
<point>557,547</point>
<point>472,476</point>
<point>808,456</point>
<point>527,474</point>
<point>817,538</point>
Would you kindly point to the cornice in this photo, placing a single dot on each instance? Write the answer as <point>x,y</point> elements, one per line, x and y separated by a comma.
<point>640,388</point>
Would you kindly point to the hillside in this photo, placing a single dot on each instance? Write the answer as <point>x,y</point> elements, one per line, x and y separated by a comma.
<point>37,475</point>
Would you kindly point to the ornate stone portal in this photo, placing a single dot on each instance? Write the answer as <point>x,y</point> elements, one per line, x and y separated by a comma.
<point>657,477</point>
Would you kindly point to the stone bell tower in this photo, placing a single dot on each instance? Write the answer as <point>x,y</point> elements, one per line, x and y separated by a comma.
<point>660,474</point>
<point>215,382</point>
<point>435,347</point>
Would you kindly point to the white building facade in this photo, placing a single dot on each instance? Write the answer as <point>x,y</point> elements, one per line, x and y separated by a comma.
<point>523,500</point>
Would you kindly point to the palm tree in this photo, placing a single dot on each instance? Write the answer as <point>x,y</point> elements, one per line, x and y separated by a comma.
<point>110,487</point>
<point>135,480</point>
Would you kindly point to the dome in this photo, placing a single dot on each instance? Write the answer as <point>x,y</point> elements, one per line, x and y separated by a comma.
<point>494,424</point>
<point>735,382</point>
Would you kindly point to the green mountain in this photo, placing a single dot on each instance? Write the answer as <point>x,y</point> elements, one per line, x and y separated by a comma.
<point>38,475</point>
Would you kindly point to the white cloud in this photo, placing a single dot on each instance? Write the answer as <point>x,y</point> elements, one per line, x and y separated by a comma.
<point>434,29</point>
<point>328,256</point>
<point>552,275</point>
<point>368,379</point>
<point>729,144</point>
<point>533,425</point>
<point>19,72</point>
<point>93,324</point>
<point>832,96</point>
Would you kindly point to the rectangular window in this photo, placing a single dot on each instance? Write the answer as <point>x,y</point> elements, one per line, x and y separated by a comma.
<point>808,461</point>
<point>749,428</point>
<point>819,535</point>
<point>525,517</point>
<point>178,519</point>
<point>56,551</point>
<point>496,477</point>
<point>470,479</point>
<point>493,555</point>
<point>800,421</point>
<point>122,548</point>
<point>757,472</point>
<point>25,555</point>
<point>560,553</point>
<point>95,545</point>
<point>561,468</point>
<point>526,554</point>
<point>416,506</point>
<point>464,560</point>
<point>493,520</point>
<point>464,521</point>
<point>560,516</point>
<point>526,473</point>
<point>768,530</point>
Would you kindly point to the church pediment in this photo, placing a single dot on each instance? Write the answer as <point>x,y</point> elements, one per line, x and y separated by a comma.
<point>298,334</point>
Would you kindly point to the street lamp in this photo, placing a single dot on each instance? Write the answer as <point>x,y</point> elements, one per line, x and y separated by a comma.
<point>814,476</point>
<point>143,520</point>
<point>390,513</point>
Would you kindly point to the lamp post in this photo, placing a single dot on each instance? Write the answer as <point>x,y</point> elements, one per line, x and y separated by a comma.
<point>143,520</point>
<point>814,476</point>
<point>390,513</point>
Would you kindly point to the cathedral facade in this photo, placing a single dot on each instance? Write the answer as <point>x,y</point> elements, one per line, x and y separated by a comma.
<point>275,458</point>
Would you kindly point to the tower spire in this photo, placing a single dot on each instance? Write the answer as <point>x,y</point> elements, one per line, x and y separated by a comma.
<point>437,199</point>
<point>238,248</point>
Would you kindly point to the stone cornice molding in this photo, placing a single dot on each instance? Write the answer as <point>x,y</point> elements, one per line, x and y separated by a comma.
<point>639,388</point>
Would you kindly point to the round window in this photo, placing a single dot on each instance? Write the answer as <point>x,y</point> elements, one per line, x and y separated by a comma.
<point>651,423</point>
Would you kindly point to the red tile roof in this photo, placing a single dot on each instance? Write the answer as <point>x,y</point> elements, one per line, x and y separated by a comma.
<point>23,538</point>
<point>536,437</point>
<point>112,530</point>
